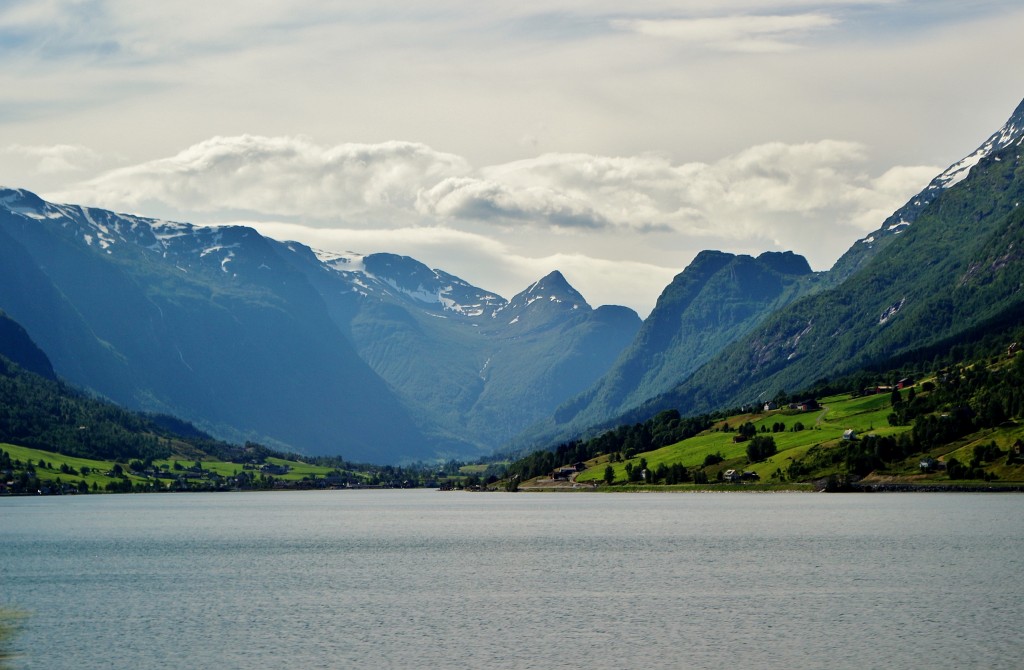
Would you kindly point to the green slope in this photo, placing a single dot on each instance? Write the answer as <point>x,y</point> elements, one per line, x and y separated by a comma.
<point>955,273</point>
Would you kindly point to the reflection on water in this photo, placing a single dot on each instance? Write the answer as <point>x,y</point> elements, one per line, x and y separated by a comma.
<point>9,624</point>
<point>401,579</point>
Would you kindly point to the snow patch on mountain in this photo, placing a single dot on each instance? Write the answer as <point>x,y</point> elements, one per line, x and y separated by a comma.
<point>348,261</point>
<point>1011,133</point>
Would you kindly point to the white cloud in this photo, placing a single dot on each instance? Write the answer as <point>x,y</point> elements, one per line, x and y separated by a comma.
<point>392,184</point>
<point>50,159</point>
<point>277,176</point>
<point>618,215</point>
<point>744,33</point>
<point>637,133</point>
<point>480,199</point>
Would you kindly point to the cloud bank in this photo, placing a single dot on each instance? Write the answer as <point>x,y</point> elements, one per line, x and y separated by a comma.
<point>510,139</point>
<point>615,211</point>
<point>397,183</point>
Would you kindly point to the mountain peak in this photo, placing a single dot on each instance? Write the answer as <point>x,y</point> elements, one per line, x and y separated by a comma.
<point>550,291</point>
<point>555,288</point>
<point>415,281</point>
<point>1011,133</point>
<point>785,262</point>
<point>21,201</point>
<point>553,281</point>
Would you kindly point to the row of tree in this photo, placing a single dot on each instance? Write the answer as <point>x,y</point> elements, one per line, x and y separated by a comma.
<point>622,443</point>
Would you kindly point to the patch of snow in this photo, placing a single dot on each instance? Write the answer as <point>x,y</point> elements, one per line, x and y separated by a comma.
<point>421,294</point>
<point>515,320</point>
<point>1004,137</point>
<point>891,311</point>
<point>216,248</point>
<point>165,231</point>
<point>348,261</point>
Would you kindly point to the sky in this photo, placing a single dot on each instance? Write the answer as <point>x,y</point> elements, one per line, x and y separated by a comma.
<point>611,141</point>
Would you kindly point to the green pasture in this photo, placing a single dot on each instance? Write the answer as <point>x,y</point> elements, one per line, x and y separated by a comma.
<point>1004,437</point>
<point>865,415</point>
<point>98,468</point>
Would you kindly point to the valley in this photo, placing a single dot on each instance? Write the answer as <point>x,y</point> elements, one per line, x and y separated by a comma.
<point>237,338</point>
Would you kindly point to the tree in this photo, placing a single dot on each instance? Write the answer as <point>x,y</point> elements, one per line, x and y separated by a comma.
<point>609,474</point>
<point>713,459</point>
<point>761,447</point>
<point>748,430</point>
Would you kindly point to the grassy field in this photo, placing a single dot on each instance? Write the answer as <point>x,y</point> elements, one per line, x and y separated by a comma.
<point>96,470</point>
<point>822,429</point>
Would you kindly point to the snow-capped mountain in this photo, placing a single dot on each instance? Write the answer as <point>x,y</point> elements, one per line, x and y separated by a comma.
<point>376,357</point>
<point>1011,133</point>
<point>535,306</point>
<point>401,277</point>
<point>950,278</point>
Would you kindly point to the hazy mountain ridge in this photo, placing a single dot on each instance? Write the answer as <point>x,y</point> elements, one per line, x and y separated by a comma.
<point>18,347</point>
<point>207,324</point>
<point>376,357</point>
<point>381,358</point>
<point>718,298</point>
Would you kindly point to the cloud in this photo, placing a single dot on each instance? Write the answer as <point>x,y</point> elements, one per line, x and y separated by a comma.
<point>481,199</point>
<point>743,33</point>
<point>278,176</point>
<point>770,193</point>
<point>51,159</point>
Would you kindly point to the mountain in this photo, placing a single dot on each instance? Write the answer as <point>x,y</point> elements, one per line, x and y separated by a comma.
<point>954,274</point>
<point>550,334</point>
<point>204,323</point>
<point>866,248</point>
<point>18,347</point>
<point>718,298</point>
<point>377,358</point>
<point>475,367</point>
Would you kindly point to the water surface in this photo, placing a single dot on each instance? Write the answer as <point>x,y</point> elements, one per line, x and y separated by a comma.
<point>405,579</point>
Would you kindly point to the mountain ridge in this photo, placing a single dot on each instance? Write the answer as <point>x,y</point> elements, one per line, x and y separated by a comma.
<point>865,248</point>
<point>959,265</point>
<point>375,356</point>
